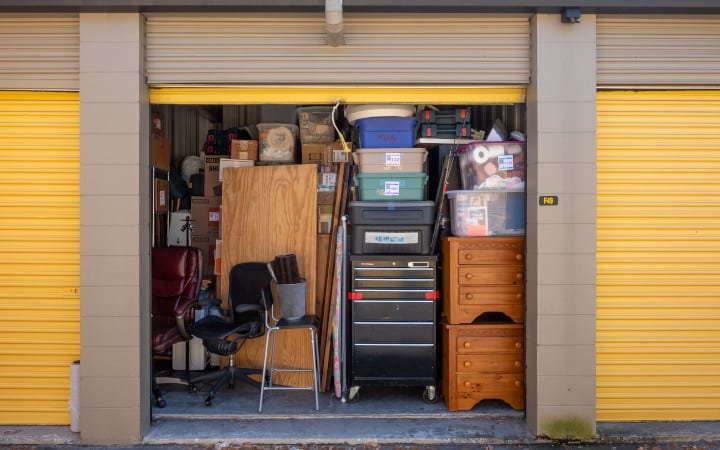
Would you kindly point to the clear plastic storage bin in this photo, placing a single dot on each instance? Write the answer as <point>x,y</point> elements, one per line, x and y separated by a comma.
<point>277,141</point>
<point>315,123</point>
<point>487,213</point>
<point>492,165</point>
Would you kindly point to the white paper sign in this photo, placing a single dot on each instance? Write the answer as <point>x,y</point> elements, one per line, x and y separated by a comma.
<point>392,188</point>
<point>505,162</point>
<point>393,159</point>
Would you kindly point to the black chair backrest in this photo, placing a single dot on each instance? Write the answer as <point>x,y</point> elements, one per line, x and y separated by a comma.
<point>249,287</point>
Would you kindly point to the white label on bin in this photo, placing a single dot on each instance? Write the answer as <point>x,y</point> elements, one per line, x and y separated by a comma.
<point>375,237</point>
<point>393,159</point>
<point>392,188</point>
<point>329,179</point>
<point>214,216</point>
<point>505,162</point>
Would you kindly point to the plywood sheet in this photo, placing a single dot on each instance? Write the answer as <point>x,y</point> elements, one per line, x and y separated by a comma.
<point>269,211</point>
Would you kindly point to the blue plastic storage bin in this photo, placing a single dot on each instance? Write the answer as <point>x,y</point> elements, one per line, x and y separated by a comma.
<point>386,132</point>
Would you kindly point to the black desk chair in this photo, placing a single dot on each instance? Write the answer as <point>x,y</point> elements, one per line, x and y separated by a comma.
<point>249,284</point>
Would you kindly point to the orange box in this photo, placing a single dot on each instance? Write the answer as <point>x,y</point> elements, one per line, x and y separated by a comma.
<point>240,149</point>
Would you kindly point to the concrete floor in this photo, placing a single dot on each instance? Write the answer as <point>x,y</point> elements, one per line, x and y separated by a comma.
<point>382,417</point>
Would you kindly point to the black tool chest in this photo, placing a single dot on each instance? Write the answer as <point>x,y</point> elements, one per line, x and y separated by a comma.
<point>393,321</point>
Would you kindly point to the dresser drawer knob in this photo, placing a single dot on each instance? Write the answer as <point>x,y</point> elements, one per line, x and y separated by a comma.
<point>518,345</point>
<point>518,276</point>
<point>466,344</point>
<point>517,383</point>
<point>468,276</point>
<point>517,363</point>
<point>467,364</point>
<point>518,296</point>
<point>468,384</point>
<point>468,256</point>
<point>519,257</point>
<point>468,296</point>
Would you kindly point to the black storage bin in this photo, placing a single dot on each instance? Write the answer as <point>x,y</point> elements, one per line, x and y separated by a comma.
<point>391,228</point>
<point>392,213</point>
<point>391,239</point>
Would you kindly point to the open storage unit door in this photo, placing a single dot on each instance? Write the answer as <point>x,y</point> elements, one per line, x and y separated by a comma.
<point>658,247</point>
<point>239,109</point>
<point>228,72</point>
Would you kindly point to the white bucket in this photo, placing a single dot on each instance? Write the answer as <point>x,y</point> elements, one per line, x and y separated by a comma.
<point>75,396</point>
<point>291,299</point>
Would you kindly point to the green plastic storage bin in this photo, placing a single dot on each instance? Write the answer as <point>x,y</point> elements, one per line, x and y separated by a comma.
<point>391,187</point>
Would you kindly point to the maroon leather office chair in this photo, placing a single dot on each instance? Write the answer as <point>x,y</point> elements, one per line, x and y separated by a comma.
<point>176,282</point>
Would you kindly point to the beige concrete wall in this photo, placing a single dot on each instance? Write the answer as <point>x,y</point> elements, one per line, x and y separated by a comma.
<point>561,239</point>
<point>114,230</point>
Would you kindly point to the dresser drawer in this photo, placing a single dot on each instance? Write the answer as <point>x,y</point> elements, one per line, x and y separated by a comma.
<point>478,275</point>
<point>485,338</point>
<point>490,363</point>
<point>471,388</point>
<point>493,256</point>
<point>473,301</point>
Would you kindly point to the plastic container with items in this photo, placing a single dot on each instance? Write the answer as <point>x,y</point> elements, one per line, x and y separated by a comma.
<point>487,213</point>
<point>377,160</point>
<point>391,187</point>
<point>353,113</point>
<point>277,142</point>
<point>492,165</point>
<point>315,123</point>
<point>386,132</point>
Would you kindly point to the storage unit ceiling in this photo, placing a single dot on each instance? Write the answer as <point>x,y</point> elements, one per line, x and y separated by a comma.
<point>380,48</point>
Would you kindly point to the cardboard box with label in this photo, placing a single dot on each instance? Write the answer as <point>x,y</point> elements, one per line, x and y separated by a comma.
<point>325,153</point>
<point>240,149</point>
<point>205,213</point>
<point>161,195</point>
<point>211,173</point>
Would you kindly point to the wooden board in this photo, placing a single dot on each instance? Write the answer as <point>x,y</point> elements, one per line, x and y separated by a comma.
<point>269,211</point>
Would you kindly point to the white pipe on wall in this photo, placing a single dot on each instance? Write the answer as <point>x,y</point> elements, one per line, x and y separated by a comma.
<point>334,23</point>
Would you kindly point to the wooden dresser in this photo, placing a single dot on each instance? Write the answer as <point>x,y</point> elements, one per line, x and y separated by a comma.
<point>483,357</point>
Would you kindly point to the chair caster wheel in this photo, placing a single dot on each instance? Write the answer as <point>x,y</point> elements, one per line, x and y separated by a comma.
<point>160,402</point>
<point>208,401</point>
<point>193,388</point>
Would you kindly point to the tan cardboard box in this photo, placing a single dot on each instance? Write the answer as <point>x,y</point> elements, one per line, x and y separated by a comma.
<point>160,151</point>
<point>206,243</point>
<point>162,195</point>
<point>240,149</point>
<point>321,153</point>
<point>205,214</point>
<point>212,173</point>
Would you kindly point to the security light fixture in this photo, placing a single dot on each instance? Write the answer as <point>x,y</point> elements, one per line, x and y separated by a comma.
<point>570,15</point>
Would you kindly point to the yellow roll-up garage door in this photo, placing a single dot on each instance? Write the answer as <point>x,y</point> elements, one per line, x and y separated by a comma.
<point>39,254</point>
<point>658,255</point>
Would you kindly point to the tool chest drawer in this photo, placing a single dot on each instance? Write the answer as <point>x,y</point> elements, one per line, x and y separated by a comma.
<point>393,364</point>
<point>393,310</point>
<point>394,332</point>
